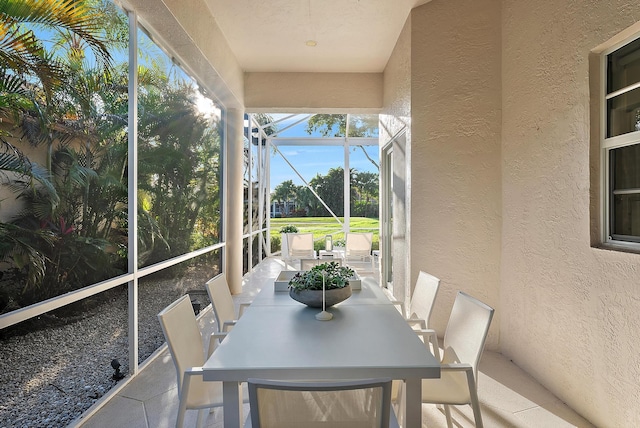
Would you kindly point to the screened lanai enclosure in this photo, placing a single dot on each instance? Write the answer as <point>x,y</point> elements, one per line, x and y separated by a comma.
<point>314,171</point>
<point>113,201</point>
<point>112,164</point>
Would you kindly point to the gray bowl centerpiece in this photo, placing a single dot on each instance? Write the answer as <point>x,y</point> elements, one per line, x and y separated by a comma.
<point>306,286</point>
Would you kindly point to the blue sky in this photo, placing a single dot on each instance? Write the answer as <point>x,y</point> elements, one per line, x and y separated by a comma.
<point>313,160</point>
<point>310,161</point>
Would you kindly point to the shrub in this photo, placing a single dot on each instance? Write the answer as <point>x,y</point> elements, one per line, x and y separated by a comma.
<point>289,229</point>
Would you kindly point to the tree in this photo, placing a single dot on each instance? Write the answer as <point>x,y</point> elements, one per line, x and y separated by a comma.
<point>366,186</point>
<point>284,192</point>
<point>179,154</point>
<point>31,74</point>
<point>330,188</point>
<point>41,84</point>
<point>22,54</point>
<point>335,125</point>
<point>307,201</point>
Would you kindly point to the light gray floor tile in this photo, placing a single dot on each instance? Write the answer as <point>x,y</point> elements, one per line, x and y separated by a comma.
<point>156,379</point>
<point>119,412</point>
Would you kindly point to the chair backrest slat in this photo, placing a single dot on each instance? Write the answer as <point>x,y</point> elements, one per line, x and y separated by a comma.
<point>466,331</point>
<point>184,340</point>
<point>352,404</point>
<point>424,297</point>
<point>300,245</point>
<point>221,300</point>
<point>358,244</point>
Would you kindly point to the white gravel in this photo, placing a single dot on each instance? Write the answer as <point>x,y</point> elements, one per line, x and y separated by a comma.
<point>49,377</point>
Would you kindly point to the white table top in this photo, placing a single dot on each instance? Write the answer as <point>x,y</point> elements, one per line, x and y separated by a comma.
<point>278,337</point>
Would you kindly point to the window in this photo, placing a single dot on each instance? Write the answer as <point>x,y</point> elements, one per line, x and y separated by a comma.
<point>621,144</point>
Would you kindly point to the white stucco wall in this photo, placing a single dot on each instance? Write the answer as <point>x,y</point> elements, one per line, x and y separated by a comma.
<point>455,152</point>
<point>395,119</point>
<point>313,92</point>
<point>570,312</point>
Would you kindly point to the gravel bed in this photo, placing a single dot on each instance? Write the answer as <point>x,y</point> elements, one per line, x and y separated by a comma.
<point>49,377</point>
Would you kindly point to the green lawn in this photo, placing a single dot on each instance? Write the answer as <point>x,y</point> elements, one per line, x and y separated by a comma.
<point>321,226</point>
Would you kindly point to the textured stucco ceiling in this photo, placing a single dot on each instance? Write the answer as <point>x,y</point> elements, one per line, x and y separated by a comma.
<point>351,35</point>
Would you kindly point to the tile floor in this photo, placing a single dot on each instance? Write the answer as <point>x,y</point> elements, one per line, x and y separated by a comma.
<point>509,397</point>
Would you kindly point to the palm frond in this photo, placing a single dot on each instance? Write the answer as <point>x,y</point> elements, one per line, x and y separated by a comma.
<point>18,49</point>
<point>20,247</point>
<point>70,15</point>
<point>25,174</point>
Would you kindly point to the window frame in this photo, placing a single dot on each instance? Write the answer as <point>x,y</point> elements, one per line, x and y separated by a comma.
<point>608,144</point>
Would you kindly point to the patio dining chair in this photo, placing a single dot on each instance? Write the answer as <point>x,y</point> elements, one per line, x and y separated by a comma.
<point>421,305</point>
<point>357,248</point>
<point>301,246</point>
<point>420,308</point>
<point>224,309</point>
<point>184,340</point>
<point>464,341</point>
<point>345,404</point>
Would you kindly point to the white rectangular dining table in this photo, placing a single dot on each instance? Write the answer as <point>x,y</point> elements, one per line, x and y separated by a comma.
<point>278,338</point>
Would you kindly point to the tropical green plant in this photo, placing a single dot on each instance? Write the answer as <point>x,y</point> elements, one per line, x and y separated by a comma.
<point>335,125</point>
<point>76,241</point>
<point>31,75</point>
<point>22,52</point>
<point>330,188</point>
<point>290,228</point>
<point>58,84</point>
<point>332,274</point>
<point>57,87</point>
<point>179,167</point>
<point>19,246</point>
<point>339,242</point>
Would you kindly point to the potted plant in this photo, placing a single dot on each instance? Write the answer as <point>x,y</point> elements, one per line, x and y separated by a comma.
<point>284,244</point>
<point>290,228</point>
<point>306,286</point>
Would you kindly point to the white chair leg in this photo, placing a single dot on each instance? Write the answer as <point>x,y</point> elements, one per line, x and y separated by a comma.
<point>475,405</point>
<point>475,402</point>
<point>400,402</point>
<point>447,412</point>
<point>182,409</point>
<point>201,415</point>
<point>436,348</point>
<point>182,406</point>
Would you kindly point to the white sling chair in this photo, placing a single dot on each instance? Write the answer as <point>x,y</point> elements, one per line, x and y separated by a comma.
<point>346,404</point>
<point>420,307</point>
<point>357,249</point>
<point>301,246</point>
<point>183,337</point>
<point>224,309</point>
<point>464,341</point>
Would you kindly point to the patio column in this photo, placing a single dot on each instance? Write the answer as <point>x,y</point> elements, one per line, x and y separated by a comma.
<point>233,199</point>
